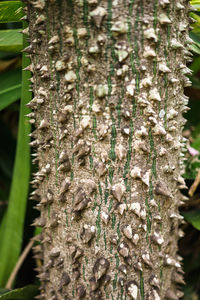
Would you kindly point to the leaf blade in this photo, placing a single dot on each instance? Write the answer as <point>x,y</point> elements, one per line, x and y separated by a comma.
<point>11,231</point>
<point>11,40</point>
<point>10,89</point>
<point>26,293</point>
<point>11,11</point>
<point>193,217</point>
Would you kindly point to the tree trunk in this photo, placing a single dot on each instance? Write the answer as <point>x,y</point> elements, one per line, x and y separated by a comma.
<point>108,79</point>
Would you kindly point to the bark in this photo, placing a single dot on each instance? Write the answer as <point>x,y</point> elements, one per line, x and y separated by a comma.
<point>108,80</point>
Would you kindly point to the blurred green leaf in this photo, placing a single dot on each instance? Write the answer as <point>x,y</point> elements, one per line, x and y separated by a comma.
<point>195,37</point>
<point>11,11</point>
<point>195,65</point>
<point>3,291</point>
<point>11,40</point>
<point>195,48</point>
<point>196,131</point>
<point>195,84</point>
<point>196,25</point>
<point>192,164</point>
<point>26,293</point>
<point>195,4</point>
<point>193,217</point>
<point>10,88</point>
<point>191,168</point>
<point>11,230</point>
<point>196,144</point>
<point>189,292</point>
<point>196,137</point>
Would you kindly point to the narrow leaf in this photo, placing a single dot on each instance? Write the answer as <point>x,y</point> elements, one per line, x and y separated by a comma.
<point>26,293</point>
<point>195,65</point>
<point>195,48</point>
<point>196,144</point>
<point>11,40</point>
<point>193,217</point>
<point>11,11</point>
<point>196,25</point>
<point>195,4</point>
<point>10,89</point>
<point>192,2</point>
<point>11,231</point>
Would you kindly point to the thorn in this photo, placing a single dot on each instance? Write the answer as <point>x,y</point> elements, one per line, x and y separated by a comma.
<point>25,31</point>
<point>28,49</point>
<point>24,18</point>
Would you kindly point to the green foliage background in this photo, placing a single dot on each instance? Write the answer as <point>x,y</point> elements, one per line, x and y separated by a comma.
<point>16,213</point>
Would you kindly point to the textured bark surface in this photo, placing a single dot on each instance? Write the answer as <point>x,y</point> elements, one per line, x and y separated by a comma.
<point>108,79</point>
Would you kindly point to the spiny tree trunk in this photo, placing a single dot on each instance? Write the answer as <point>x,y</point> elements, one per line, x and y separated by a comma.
<point>108,79</point>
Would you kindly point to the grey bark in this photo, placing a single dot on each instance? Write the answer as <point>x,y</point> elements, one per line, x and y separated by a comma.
<point>108,80</point>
